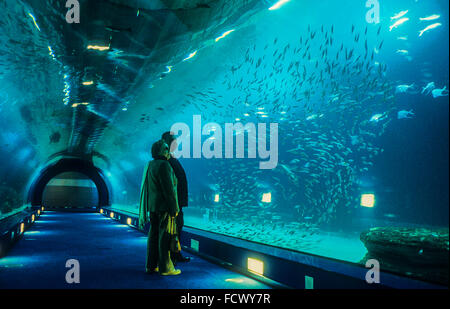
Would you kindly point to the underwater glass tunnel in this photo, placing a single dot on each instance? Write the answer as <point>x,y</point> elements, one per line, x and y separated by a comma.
<point>311,127</point>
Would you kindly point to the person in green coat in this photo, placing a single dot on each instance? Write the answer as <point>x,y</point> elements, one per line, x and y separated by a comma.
<point>158,203</point>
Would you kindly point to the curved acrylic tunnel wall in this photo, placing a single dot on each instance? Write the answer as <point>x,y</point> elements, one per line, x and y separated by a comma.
<point>350,158</point>
<point>362,135</point>
<point>18,161</point>
<point>32,127</point>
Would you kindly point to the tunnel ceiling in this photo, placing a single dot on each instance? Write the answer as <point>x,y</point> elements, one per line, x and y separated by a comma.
<point>44,62</point>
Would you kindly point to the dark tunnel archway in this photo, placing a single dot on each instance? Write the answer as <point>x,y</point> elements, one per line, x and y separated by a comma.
<point>85,167</point>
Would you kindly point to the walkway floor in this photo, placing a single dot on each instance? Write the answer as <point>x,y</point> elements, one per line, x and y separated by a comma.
<point>111,256</point>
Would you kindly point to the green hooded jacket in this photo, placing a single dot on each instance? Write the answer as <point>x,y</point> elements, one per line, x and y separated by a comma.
<point>158,190</point>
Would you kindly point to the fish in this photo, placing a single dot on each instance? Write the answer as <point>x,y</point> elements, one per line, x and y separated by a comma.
<point>428,88</point>
<point>440,92</point>
<point>405,114</point>
<point>343,84</point>
<point>398,23</point>
<point>403,88</point>
<point>377,117</point>
<point>402,52</point>
<point>432,17</point>
<point>398,15</point>
<point>115,29</point>
<point>429,28</point>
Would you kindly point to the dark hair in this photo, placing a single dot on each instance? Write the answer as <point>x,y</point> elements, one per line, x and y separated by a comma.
<point>158,147</point>
<point>168,137</point>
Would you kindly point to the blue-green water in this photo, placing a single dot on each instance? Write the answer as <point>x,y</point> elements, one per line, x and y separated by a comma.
<point>354,115</point>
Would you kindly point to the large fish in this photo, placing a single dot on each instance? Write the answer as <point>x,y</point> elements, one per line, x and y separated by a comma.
<point>398,15</point>
<point>398,23</point>
<point>440,92</point>
<point>429,28</point>
<point>432,17</point>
